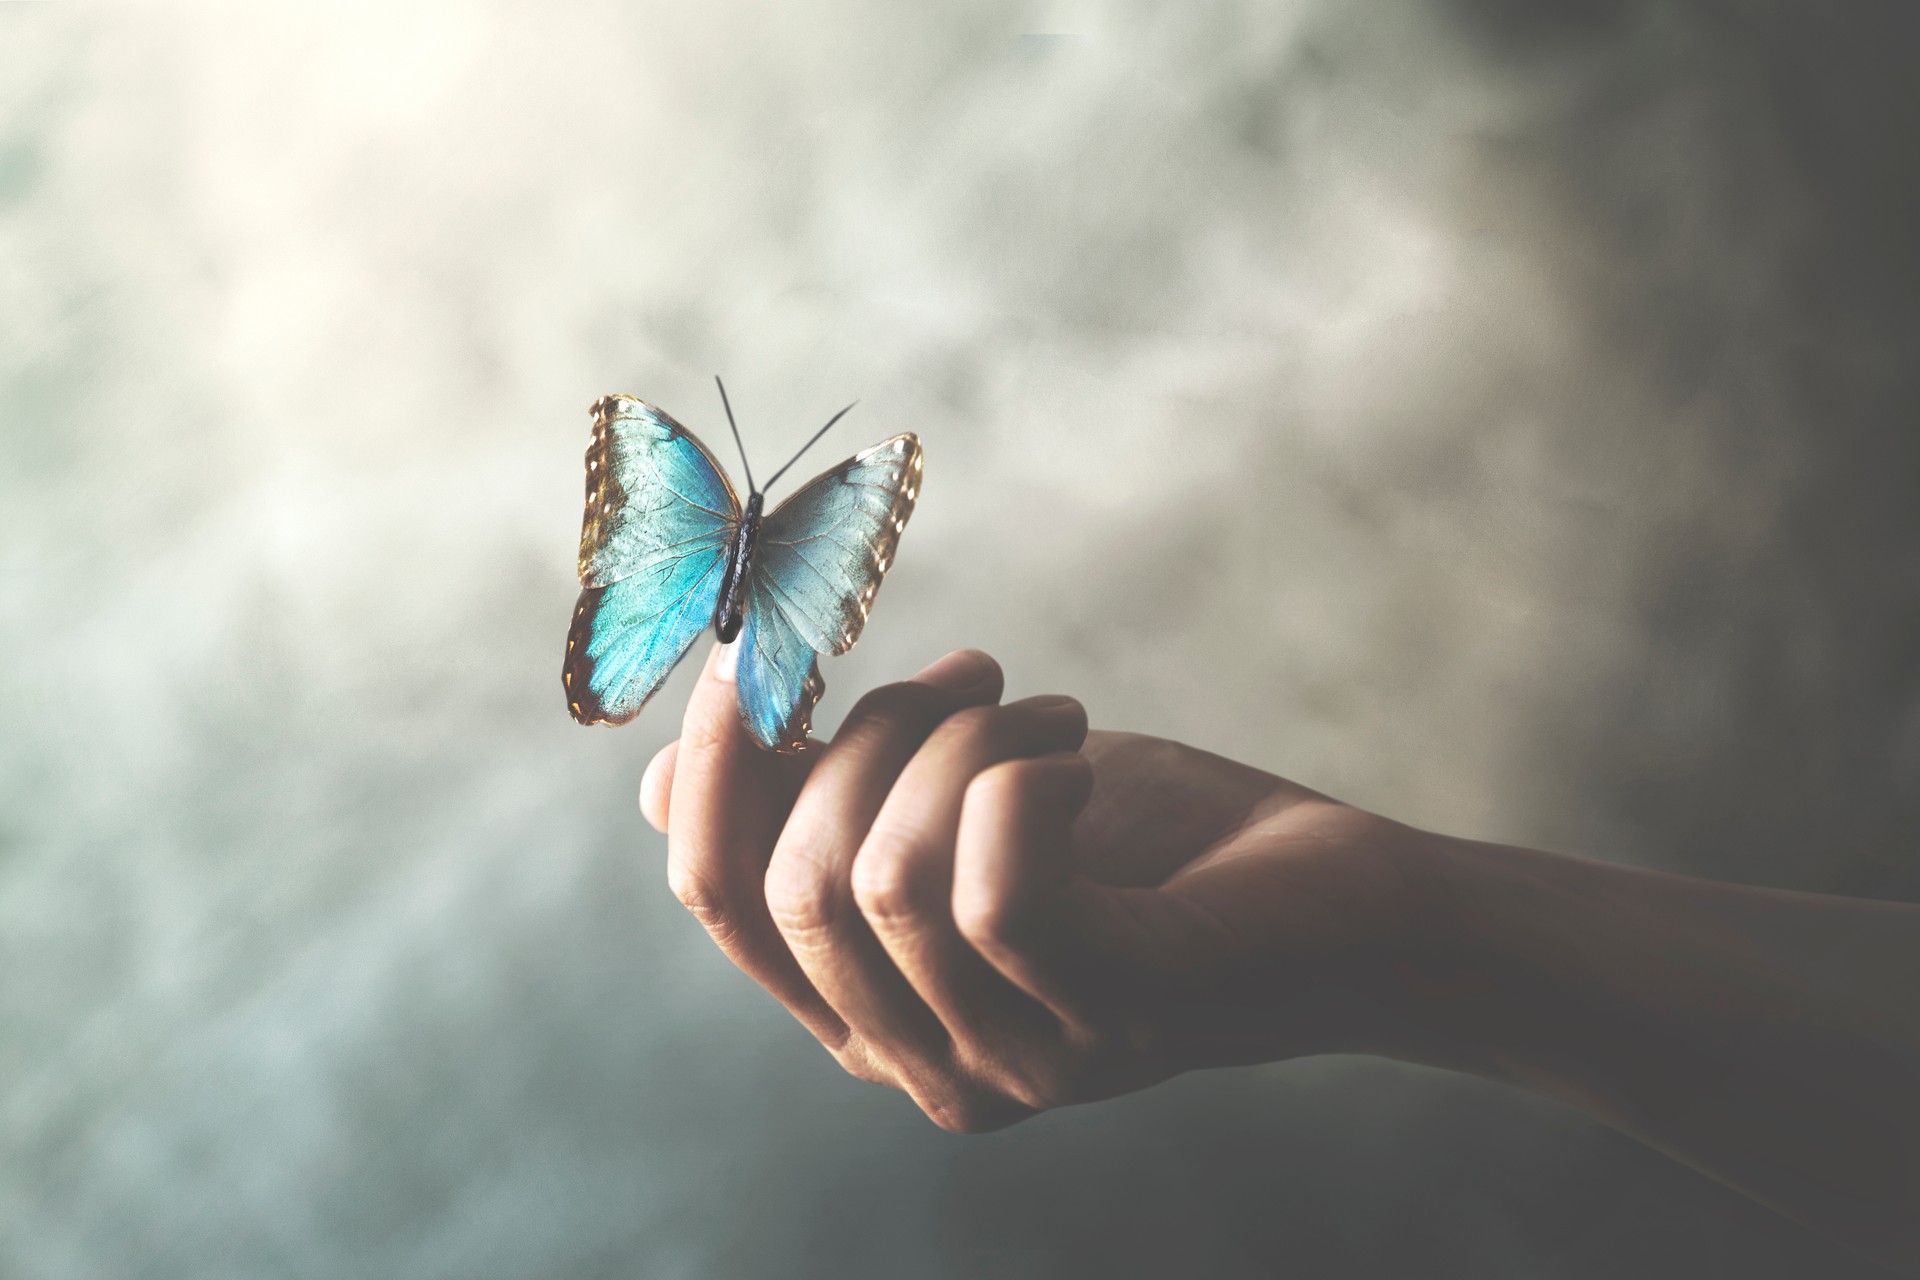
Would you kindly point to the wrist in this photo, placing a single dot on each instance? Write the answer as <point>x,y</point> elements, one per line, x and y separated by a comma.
<point>1448,992</point>
<point>1494,979</point>
<point>1381,965</point>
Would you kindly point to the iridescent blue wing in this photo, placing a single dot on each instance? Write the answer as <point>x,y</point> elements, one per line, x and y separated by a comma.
<point>659,520</point>
<point>778,676</point>
<point>653,492</point>
<point>816,568</point>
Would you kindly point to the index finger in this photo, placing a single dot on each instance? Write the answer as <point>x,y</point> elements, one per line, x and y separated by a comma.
<point>728,802</point>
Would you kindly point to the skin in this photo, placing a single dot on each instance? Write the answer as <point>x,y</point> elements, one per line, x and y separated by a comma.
<point>997,912</point>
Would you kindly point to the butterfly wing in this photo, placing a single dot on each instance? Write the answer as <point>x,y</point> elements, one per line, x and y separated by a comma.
<point>816,568</point>
<point>778,675</point>
<point>659,519</point>
<point>653,491</point>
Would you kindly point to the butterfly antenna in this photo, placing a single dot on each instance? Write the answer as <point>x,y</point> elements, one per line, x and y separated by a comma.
<point>745,465</point>
<point>809,444</point>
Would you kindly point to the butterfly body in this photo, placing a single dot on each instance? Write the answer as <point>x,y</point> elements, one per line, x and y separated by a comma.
<point>732,609</point>
<point>667,548</point>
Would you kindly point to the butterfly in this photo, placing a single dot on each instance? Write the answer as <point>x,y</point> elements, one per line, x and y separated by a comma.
<point>666,547</point>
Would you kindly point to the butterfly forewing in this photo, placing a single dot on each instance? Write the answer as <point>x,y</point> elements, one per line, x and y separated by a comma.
<point>653,492</point>
<point>659,519</point>
<point>823,552</point>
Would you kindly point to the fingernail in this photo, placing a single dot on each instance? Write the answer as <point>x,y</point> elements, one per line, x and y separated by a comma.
<point>726,662</point>
<point>961,671</point>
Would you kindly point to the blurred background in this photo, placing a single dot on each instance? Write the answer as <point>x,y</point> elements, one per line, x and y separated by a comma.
<point>1501,415</point>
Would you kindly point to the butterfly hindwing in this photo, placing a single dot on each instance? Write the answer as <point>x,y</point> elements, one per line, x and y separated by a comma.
<point>824,551</point>
<point>777,678</point>
<point>659,521</point>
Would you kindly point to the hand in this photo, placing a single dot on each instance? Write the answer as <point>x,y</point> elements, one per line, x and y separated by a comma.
<point>997,912</point>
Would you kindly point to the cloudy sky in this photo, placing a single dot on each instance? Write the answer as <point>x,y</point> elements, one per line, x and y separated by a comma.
<point>1496,414</point>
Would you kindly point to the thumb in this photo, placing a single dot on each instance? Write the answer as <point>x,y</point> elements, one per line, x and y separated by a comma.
<point>656,786</point>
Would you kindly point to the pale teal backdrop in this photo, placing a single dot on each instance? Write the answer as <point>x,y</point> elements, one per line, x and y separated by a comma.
<point>1495,414</point>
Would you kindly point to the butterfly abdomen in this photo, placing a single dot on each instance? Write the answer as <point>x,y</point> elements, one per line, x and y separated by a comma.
<point>731,609</point>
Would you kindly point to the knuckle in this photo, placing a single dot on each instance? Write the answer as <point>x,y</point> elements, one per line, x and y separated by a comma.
<point>972,1110</point>
<point>950,1089</point>
<point>955,1113</point>
<point>800,898</point>
<point>1003,785</point>
<point>987,917</point>
<point>962,1094</point>
<point>1032,1077</point>
<point>861,1065</point>
<point>989,914</point>
<point>696,894</point>
<point>1036,1086</point>
<point>887,876</point>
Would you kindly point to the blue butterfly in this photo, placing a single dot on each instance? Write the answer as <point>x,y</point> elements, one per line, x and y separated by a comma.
<point>666,548</point>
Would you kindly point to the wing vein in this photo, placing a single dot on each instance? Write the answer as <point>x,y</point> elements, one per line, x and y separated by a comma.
<point>788,618</point>
<point>812,568</point>
<point>664,483</point>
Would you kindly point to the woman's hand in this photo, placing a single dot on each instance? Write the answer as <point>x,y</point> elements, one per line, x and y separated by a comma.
<point>998,912</point>
<point>992,909</point>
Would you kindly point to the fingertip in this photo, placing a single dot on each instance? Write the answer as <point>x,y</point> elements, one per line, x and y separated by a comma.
<point>1057,779</point>
<point>656,786</point>
<point>1064,718</point>
<point>964,671</point>
<point>712,720</point>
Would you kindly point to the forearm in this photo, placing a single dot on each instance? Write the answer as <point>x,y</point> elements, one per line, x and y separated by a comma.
<point>1769,1039</point>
